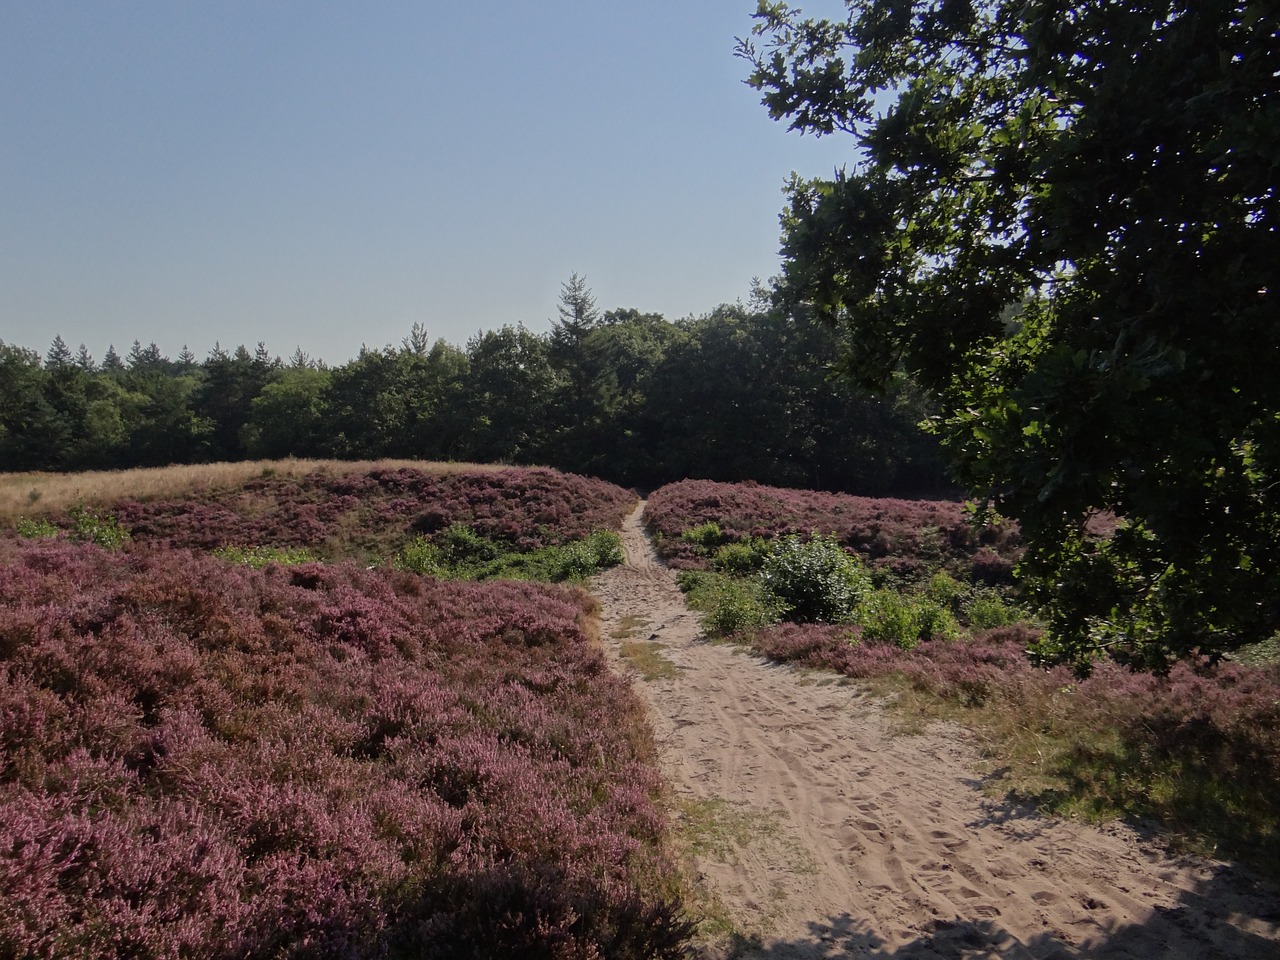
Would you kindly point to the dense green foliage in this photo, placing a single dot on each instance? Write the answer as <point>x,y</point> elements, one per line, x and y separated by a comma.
<point>1064,223</point>
<point>623,395</point>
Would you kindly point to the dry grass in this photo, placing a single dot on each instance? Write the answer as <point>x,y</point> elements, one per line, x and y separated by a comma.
<point>646,659</point>
<point>41,494</point>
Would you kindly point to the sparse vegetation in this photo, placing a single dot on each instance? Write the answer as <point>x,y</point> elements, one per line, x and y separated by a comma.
<point>1197,749</point>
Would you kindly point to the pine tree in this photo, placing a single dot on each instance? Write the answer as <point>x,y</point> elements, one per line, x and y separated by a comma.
<point>84,360</point>
<point>59,354</point>
<point>111,363</point>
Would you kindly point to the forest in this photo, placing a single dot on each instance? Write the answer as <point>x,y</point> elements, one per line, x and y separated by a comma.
<point>740,393</point>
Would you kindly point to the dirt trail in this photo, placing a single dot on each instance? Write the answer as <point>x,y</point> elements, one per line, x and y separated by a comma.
<point>823,835</point>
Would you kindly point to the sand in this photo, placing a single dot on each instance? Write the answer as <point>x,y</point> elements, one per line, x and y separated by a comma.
<point>820,832</point>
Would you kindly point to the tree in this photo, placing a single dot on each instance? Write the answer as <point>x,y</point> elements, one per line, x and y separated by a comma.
<point>59,354</point>
<point>578,314</point>
<point>1064,221</point>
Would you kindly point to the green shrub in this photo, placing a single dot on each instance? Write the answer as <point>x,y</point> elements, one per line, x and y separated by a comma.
<point>100,528</point>
<point>38,529</point>
<point>741,558</point>
<point>585,558</point>
<point>945,590</point>
<point>460,553</point>
<point>459,545</point>
<point>728,605</point>
<point>705,536</point>
<point>986,610</point>
<point>814,581</point>
<point>258,557</point>
<point>892,617</point>
<point>422,557</point>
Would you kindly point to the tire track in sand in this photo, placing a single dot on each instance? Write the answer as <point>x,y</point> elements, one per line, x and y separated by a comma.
<point>835,838</point>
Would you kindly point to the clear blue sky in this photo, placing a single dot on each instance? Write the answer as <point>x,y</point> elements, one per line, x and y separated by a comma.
<point>326,174</point>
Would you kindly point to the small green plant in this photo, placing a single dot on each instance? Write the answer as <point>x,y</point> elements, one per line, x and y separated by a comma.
<point>986,609</point>
<point>893,617</point>
<point>728,605</point>
<point>100,528</point>
<point>742,557</point>
<point>815,580</point>
<point>460,553</point>
<point>258,557</point>
<point>37,529</point>
<point>945,590</point>
<point>460,546</point>
<point>645,656</point>
<point>705,536</point>
<point>422,557</point>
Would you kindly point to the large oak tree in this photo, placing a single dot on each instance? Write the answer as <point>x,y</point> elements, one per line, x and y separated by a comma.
<point>1063,219</point>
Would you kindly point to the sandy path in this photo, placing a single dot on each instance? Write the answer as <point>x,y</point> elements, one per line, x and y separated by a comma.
<point>822,835</point>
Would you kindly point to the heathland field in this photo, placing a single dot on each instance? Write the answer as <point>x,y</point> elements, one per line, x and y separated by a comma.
<point>366,710</point>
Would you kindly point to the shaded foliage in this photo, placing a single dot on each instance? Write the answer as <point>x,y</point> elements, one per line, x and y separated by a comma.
<point>1064,222</point>
<point>737,394</point>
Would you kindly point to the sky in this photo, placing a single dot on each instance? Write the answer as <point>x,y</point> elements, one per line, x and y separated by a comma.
<point>324,175</point>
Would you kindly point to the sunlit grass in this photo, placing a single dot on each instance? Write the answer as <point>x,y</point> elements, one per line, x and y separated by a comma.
<point>34,494</point>
<point>645,656</point>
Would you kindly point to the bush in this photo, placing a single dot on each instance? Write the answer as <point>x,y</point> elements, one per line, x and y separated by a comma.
<point>705,536</point>
<point>891,617</point>
<point>729,605</point>
<point>741,558</point>
<point>100,528</point>
<point>987,610</point>
<point>814,581</point>
<point>40,529</point>
<point>460,546</point>
<point>422,557</point>
<point>585,558</point>
<point>945,590</point>
<point>461,554</point>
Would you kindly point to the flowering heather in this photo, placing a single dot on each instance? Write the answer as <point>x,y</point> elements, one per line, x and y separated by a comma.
<point>1198,749</point>
<point>200,759</point>
<point>907,537</point>
<point>374,512</point>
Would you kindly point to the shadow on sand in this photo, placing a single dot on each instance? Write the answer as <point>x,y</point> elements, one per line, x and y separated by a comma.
<point>1231,916</point>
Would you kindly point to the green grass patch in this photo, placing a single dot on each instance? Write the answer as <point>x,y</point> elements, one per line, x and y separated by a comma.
<point>259,556</point>
<point>459,553</point>
<point>645,656</point>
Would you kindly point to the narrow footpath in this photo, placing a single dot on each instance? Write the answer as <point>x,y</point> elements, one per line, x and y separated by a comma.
<point>818,832</point>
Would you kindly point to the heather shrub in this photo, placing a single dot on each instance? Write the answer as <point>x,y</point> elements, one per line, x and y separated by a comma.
<point>815,580</point>
<point>207,759</point>
<point>908,539</point>
<point>367,516</point>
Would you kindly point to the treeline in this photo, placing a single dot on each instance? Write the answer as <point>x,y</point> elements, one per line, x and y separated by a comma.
<point>738,394</point>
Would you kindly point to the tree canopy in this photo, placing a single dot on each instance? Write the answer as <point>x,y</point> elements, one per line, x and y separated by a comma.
<point>1063,220</point>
